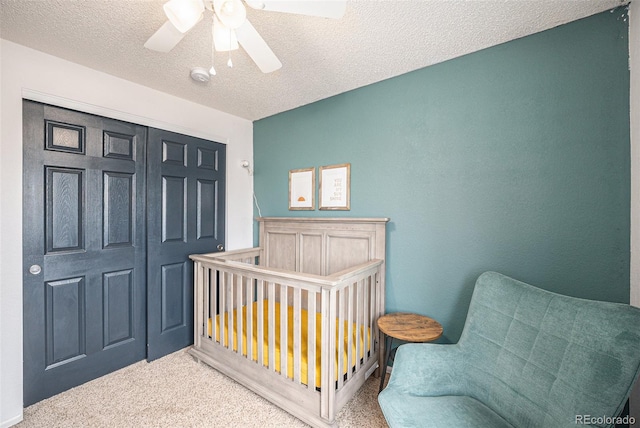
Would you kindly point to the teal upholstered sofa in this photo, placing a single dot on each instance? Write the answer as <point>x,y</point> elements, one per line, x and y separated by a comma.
<point>526,358</point>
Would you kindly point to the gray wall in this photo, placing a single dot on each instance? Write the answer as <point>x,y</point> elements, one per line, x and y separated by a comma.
<point>514,159</point>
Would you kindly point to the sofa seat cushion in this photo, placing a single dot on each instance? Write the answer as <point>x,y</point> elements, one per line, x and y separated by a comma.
<point>404,410</point>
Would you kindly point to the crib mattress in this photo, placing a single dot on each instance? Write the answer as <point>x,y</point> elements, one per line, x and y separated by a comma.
<point>304,340</point>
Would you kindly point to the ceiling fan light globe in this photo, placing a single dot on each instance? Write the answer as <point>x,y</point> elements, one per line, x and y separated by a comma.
<point>231,13</point>
<point>184,14</point>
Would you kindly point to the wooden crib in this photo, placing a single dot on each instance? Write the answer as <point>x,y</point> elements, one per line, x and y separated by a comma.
<point>254,312</point>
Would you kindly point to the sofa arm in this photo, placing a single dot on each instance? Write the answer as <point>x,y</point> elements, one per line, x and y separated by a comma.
<point>427,369</point>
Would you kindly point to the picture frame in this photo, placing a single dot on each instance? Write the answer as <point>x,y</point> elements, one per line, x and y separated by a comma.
<point>335,187</point>
<point>302,189</point>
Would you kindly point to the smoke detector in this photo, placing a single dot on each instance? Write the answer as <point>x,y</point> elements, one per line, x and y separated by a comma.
<point>200,74</point>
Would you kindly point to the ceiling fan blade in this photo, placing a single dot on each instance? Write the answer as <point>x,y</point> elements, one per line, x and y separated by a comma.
<point>323,8</point>
<point>165,39</point>
<point>257,48</point>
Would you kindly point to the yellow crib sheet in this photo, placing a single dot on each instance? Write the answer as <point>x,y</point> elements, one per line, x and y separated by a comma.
<point>304,341</point>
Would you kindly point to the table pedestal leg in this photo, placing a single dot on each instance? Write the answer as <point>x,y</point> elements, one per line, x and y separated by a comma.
<point>387,352</point>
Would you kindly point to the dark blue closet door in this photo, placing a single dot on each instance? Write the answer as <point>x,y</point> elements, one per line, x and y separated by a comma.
<point>186,215</point>
<point>84,248</point>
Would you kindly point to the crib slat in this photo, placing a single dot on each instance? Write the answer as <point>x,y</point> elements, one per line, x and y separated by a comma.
<point>360,327</point>
<point>205,284</point>
<point>297,348</point>
<point>350,321</point>
<point>311,340</point>
<point>341,349</point>
<point>249,300</point>
<point>367,320</point>
<point>372,315</point>
<point>329,314</point>
<point>232,279</point>
<point>371,319</point>
<point>271,329</point>
<point>212,309</point>
<point>204,293</point>
<point>221,308</point>
<point>260,341</point>
<point>284,331</point>
<point>239,312</point>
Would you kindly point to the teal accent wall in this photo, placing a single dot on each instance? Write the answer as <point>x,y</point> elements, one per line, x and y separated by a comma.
<point>513,159</point>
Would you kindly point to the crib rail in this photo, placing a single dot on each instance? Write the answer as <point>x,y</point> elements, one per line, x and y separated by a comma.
<point>247,255</point>
<point>286,321</point>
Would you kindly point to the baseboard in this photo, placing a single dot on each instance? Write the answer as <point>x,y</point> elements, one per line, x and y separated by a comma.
<point>11,422</point>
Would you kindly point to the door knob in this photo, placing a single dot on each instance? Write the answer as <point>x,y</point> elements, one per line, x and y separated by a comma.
<point>35,269</point>
<point>220,247</point>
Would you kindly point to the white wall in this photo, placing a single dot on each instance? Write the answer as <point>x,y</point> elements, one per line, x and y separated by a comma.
<point>634,65</point>
<point>31,74</point>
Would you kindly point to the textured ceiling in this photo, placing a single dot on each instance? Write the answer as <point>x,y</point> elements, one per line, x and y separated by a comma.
<point>375,40</point>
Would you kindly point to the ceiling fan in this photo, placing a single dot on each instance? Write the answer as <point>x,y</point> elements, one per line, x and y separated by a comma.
<point>230,26</point>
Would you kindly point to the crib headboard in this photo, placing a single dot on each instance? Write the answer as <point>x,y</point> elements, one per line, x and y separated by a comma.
<point>321,246</point>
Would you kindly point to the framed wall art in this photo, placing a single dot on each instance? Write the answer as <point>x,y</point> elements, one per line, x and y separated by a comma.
<point>335,187</point>
<point>302,189</point>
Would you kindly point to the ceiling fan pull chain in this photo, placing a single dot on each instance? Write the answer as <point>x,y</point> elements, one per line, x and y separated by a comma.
<point>212,70</point>
<point>229,63</point>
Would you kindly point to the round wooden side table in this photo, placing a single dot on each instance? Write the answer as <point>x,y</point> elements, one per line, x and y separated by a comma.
<point>406,327</point>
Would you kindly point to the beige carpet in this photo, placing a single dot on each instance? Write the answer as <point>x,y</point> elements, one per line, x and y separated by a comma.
<point>176,391</point>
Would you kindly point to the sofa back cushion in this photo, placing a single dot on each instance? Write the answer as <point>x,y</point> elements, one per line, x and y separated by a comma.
<point>543,359</point>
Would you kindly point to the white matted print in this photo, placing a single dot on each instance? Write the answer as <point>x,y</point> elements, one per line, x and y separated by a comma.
<point>302,189</point>
<point>335,187</point>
